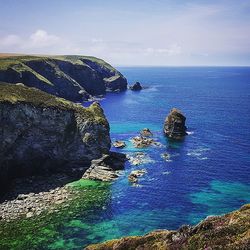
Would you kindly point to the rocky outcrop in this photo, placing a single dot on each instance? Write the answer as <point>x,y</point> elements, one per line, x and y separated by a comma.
<point>106,168</point>
<point>174,126</point>
<point>143,142</point>
<point>135,174</point>
<point>136,87</point>
<point>76,78</point>
<point>230,231</point>
<point>41,133</point>
<point>119,144</point>
<point>146,132</point>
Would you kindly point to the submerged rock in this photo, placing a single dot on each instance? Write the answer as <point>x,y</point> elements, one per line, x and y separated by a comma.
<point>230,231</point>
<point>166,156</point>
<point>139,158</point>
<point>119,144</point>
<point>146,132</point>
<point>174,126</point>
<point>106,168</point>
<point>41,133</point>
<point>142,142</point>
<point>135,174</point>
<point>136,87</point>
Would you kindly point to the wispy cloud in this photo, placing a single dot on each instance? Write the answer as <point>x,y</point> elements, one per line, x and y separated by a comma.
<point>39,39</point>
<point>172,50</point>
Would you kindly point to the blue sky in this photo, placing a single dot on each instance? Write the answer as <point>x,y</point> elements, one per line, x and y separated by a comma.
<point>130,32</point>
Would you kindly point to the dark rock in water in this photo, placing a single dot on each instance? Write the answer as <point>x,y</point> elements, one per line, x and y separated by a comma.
<point>146,132</point>
<point>119,144</point>
<point>41,133</point>
<point>230,231</point>
<point>136,87</point>
<point>134,175</point>
<point>174,126</point>
<point>76,78</point>
<point>106,168</point>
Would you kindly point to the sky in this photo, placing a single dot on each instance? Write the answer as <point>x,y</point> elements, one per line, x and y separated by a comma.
<point>130,32</point>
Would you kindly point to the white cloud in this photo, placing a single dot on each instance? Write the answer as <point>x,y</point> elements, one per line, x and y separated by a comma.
<point>41,38</point>
<point>37,40</point>
<point>10,40</point>
<point>172,50</point>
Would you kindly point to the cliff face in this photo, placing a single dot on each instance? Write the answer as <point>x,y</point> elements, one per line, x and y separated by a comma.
<point>75,78</point>
<point>41,133</point>
<point>230,231</point>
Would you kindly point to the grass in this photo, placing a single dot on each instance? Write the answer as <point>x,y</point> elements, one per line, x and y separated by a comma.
<point>23,63</point>
<point>14,94</point>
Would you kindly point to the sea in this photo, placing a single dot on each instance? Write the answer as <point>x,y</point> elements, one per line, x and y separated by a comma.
<point>207,173</point>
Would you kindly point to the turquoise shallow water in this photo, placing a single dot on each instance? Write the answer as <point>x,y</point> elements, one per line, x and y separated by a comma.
<point>208,173</point>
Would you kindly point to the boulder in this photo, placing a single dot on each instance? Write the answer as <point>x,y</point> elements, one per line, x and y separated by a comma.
<point>174,125</point>
<point>146,132</point>
<point>119,144</point>
<point>106,168</point>
<point>136,86</point>
<point>142,142</point>
<point>135,174</point>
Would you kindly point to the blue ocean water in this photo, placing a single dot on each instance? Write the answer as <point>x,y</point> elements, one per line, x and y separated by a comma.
<point>208,173</point>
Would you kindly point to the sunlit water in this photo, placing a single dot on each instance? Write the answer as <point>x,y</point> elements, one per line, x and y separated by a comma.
<point>207,173</point>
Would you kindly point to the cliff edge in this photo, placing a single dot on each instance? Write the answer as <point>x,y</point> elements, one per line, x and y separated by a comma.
<point>76,78</point>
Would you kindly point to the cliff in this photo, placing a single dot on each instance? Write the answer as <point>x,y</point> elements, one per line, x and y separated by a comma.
<point>42,133</point>
<point>75,78</point>
<point>230,231</point>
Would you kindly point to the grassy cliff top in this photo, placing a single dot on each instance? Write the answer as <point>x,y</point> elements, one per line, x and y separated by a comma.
<point>17,94</point>
<point>8,61</point>
<point>230,231</point>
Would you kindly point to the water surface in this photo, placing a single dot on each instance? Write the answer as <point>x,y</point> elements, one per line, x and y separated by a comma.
<point>207,174</point>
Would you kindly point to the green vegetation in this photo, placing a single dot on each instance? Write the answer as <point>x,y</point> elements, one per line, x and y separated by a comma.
<point>45,229</point>
<point>14,94</point>
<point>9,62</point>
<point>230,231</point>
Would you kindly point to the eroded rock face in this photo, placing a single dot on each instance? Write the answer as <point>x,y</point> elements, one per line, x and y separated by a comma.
<point>42,133</point>
<point>174,125</point>
<point>106,168</point>
<point>76,78</point>
<point>230,231</point>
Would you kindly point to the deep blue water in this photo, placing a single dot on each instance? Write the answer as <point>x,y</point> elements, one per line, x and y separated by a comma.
<point>208,173</point>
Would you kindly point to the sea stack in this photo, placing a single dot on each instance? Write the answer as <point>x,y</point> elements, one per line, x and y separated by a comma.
<point>174,125</point>
<point>136,86</point>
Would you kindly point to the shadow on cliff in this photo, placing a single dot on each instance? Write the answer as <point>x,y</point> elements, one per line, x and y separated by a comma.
<point>39,182</point>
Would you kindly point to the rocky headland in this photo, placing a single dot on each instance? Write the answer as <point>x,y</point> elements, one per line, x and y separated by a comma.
<point>229,231</point>
<point>41,133</point>
<point>174,125</point>
<point>76,78</point>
